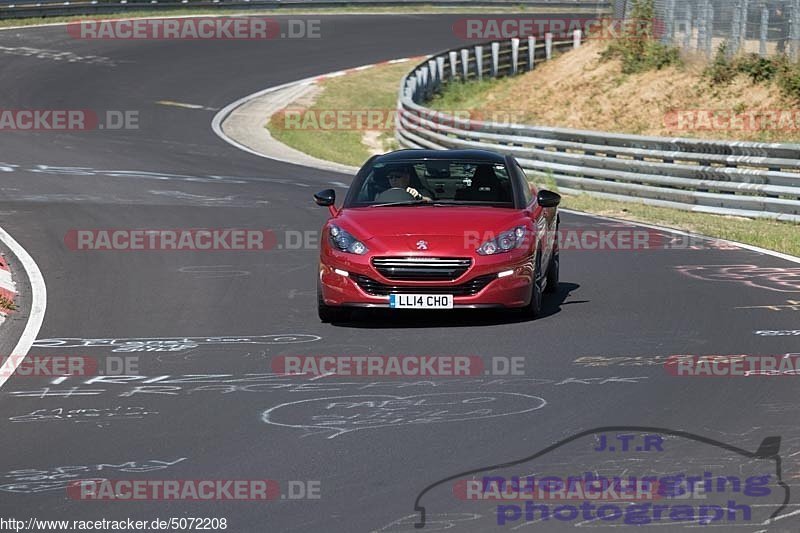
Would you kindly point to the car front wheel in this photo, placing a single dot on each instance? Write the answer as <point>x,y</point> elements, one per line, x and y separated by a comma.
<point>534,309</point>
<point>552,273</point>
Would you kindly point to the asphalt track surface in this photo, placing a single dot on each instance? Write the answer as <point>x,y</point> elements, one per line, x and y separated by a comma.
<point>610,304</point>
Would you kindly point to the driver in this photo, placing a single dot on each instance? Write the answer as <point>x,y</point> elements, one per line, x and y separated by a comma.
<point>400,178</point>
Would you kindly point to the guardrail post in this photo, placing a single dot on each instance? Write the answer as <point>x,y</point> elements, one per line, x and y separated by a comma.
<point>762,41</point>
<point>548,45</point>
<point>417,84</point>
<point>531,53</point>
<point>479,61</point>
<point>434,81</point>
<point>453,66</point>
<point>440,68</point>
<point>514,55</point>
<point>423,83</point>
<point>576,39</point>
<point>464,63</point>
<point>495,59</point>
<point>411,85</point>
<point>432,70</point>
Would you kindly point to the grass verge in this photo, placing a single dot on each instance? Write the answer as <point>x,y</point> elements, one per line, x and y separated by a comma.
<point>371,89</point>
<point>779,236</point>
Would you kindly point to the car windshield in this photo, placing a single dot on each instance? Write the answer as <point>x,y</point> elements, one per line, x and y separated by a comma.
<point>433,182</point>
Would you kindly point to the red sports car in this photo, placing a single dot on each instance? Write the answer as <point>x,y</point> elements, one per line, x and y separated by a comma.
<point>438,229</point>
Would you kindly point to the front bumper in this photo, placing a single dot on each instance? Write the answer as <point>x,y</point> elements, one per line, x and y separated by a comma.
<point>348,280</point>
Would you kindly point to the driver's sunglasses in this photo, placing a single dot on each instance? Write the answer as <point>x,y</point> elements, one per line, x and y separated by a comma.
<point>397,176</point>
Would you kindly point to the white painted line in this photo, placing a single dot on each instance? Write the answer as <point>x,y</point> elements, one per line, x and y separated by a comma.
<point>750,247</point>
<point>38,307</point>
<point>219,118</point>
<point>185,105</point>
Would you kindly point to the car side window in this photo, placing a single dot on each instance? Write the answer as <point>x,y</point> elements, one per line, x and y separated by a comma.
<point>526,186</point>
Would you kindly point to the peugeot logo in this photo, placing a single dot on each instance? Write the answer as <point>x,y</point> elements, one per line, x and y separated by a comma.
<point>422,245</point>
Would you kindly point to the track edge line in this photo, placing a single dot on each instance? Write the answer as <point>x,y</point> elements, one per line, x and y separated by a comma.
<point>37,311</point>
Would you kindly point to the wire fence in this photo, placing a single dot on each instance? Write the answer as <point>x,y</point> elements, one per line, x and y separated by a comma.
<point>764,27</point>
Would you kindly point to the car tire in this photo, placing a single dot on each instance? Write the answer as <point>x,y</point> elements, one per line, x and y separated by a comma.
<point>328,313</point>
<point>552,273</point>
<point>534,309</point>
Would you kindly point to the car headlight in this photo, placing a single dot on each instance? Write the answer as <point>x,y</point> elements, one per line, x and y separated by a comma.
<point>345,242</point>
<point>505,242</point>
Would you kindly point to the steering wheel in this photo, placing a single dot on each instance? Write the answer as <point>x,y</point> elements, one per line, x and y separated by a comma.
<point>395,194</point>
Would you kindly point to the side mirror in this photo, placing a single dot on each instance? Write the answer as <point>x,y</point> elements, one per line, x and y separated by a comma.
<point>548,198</point>
<point>325,198</point>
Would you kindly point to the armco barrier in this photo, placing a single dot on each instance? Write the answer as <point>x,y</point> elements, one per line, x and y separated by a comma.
<point>37,8</point>
<point>755,180</point>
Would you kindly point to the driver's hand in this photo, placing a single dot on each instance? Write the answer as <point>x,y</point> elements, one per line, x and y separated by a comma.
<point>414,192</point>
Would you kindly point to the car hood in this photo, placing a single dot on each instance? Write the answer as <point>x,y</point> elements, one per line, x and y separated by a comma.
<point>426,221</point>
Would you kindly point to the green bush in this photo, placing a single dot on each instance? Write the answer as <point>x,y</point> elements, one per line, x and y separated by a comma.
<point>789,80</point>
<point>721,71</point>
<point>638,49</point>
<point>759,69</point>
<point>779,69</point>
<point>658,56</point>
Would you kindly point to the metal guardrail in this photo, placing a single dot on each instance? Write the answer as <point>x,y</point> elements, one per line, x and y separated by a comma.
<point>37,8</point>
<point>755,180</point>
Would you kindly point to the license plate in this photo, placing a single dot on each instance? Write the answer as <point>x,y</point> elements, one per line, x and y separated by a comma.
<point>421,301</point>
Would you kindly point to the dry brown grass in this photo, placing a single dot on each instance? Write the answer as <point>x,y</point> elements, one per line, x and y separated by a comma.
<point>578,90</point>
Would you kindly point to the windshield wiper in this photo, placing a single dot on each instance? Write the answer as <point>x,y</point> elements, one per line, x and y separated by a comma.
<point>451,203</point>
<point>409,202</point>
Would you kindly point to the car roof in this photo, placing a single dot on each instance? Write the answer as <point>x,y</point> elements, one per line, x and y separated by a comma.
<point>463,155</point>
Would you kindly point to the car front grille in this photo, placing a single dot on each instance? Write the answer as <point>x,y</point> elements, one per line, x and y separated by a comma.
<point>376,288</point>
<point>421,268</point>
